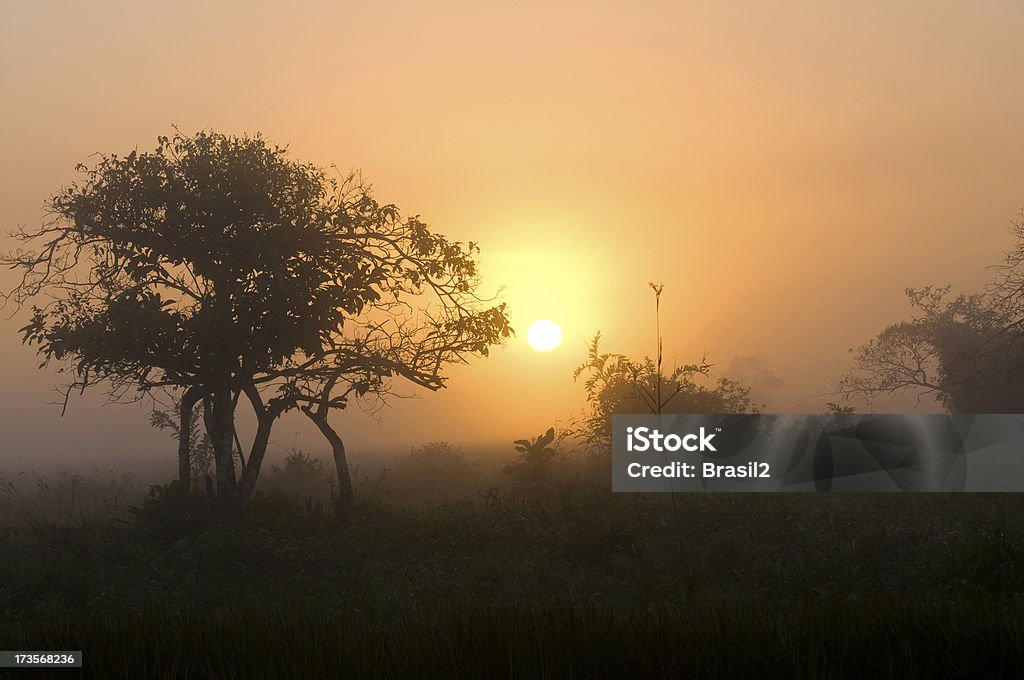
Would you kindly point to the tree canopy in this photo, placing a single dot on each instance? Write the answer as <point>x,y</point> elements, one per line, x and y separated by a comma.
<point>965,351</point>
<point>614,383</point>
<point>217,266</point>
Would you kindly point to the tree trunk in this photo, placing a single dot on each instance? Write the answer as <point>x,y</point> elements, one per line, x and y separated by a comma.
<point>252,468</point>
<point>188,402</point>
<point>265,417</point>
<point>220,427</point>
<point>346,498</point>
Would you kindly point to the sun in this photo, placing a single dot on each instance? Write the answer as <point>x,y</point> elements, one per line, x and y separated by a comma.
<point>544,335</point>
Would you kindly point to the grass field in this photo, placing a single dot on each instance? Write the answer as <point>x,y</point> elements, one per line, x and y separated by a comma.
<point>560,580</point>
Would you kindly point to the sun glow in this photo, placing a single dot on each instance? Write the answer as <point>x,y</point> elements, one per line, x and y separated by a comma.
<point>544,335</point>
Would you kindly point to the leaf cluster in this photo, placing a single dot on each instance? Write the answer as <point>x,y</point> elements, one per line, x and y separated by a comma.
<point>535,459</point>
<point>965,351</point>
<point>614,383</point>
<point>216,258</point>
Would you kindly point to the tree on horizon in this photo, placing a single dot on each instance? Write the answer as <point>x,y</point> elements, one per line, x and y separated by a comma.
<point>216,267</point>
<point>614,383</point>
<point>965,351</point>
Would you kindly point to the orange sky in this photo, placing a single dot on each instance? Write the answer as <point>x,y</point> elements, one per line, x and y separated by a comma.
<point>785,168</point>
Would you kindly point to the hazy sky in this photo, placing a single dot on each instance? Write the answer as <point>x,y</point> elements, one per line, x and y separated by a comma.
<point>785,168</point>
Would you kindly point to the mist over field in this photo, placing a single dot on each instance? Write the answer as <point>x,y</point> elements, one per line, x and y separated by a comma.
<point>785,185</point>
<point>314,318</point>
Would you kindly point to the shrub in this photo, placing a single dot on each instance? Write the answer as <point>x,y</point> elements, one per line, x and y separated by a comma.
<point>535,458</point>
<point>433,471</point>
<point>303,479</point>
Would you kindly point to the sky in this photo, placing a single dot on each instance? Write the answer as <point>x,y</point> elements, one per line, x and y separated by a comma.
<point>786,169</point>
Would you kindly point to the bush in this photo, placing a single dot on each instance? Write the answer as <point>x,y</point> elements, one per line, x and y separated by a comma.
<point>433,471</point>
<point>166,513</point>
<point>535,459</point>
<point>303,479</point>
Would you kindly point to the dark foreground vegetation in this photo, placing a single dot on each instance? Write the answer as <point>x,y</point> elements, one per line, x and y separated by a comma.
<point>218,271</point>
<point>528,580</point>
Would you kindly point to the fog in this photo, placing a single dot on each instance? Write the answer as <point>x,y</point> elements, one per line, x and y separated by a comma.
<point>786,170</point>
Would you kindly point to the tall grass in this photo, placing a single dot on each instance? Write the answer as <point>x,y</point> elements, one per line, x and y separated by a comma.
<point>555,579</point>
<point>65,498</point>
<point>876,639</point>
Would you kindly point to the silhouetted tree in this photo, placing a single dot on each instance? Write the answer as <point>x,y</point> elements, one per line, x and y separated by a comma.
<point>615,383</point>
<point>965,351</point>
<point>215,266</point>
<point>962,351</point>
